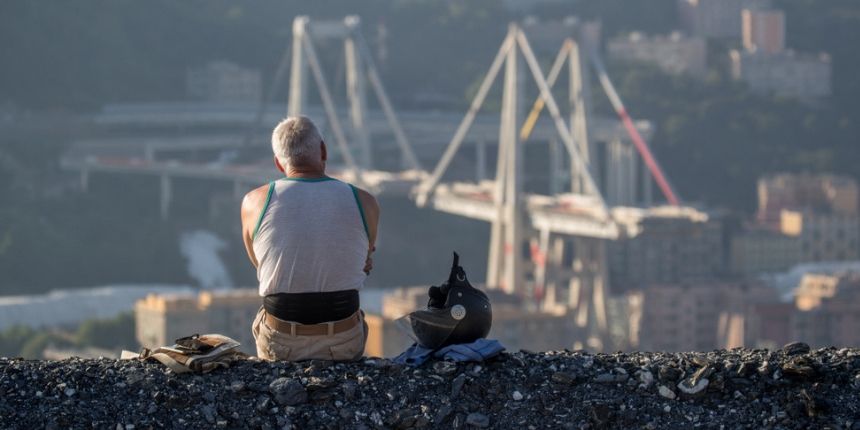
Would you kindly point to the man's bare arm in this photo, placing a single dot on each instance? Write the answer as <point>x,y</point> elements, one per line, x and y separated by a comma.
<point>371,216</point>
<point>252,205</point>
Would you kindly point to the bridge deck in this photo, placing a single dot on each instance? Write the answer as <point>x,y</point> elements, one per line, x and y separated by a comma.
<point>567,215</point>
<point>380,182</point>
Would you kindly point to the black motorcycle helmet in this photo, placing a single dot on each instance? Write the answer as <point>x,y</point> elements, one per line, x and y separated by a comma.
<point>456,313</point>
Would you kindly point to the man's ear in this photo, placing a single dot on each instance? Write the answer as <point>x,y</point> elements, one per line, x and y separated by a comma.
<point>323,151</point>
<point>278,165</point>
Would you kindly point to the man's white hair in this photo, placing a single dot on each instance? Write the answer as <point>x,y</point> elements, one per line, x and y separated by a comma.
<point>296,141</point>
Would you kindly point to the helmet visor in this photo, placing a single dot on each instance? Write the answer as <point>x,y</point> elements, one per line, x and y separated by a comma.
<point>428,327</point>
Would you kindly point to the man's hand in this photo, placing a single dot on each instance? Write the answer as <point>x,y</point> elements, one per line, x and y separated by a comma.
<point>368,263</point>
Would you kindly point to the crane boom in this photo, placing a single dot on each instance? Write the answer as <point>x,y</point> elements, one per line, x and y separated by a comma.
<point>637,139</point>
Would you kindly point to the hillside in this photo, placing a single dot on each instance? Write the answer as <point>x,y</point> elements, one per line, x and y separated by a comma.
<point>790,388</point>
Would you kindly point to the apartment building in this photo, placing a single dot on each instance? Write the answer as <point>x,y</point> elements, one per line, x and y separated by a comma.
<point>161,319</point>
<point>715,18</point>
<point>828,310</point>
<point>665,245</point>
<point>787,73</point>
<point>763,30</point>
<point>674,54</point>
<point>695,316</point>
<point>757,250</point>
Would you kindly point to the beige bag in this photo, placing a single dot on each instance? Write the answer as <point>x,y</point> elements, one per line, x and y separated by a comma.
<point>196,353</point>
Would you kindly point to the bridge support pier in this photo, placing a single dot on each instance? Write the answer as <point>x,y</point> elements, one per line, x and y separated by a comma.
<point>621,180</point>
<point>356,94</point>
<point>558,175</point>
<point>572,275</point>
<point>298,69</point>
<point>647,186</point>
<point>480,160</point>
<point>166,196</point>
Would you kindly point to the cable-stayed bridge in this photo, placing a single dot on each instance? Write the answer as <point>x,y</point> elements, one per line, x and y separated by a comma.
<point>548,242</point>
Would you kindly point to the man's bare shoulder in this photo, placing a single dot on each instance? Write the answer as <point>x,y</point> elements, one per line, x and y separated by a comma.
<point>368,201</point>
<point>254,200</point>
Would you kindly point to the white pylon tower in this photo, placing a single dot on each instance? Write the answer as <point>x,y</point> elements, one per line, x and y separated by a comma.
<point>360,71</point>
<point>511,228</point>
<point>550,250</point>
<point>583,276</point>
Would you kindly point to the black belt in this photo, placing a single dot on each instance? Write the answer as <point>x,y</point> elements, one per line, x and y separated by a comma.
<point>312,308</point>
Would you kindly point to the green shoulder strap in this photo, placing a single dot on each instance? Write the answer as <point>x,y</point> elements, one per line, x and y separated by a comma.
<point>263,212</point>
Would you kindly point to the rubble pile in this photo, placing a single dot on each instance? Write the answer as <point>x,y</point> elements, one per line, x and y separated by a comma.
<point>791,388</point>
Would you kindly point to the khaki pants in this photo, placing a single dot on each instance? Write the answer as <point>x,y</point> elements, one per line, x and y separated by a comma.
<point>275,345</point>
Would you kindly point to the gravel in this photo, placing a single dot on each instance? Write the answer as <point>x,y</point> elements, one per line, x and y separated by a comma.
<point>791,388</point>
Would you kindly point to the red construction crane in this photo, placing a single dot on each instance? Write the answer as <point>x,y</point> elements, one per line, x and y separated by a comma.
<point>638,141</point>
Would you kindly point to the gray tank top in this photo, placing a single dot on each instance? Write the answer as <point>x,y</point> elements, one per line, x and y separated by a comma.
<point>311,237</point>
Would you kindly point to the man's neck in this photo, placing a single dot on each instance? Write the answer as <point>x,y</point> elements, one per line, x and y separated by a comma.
<point>305,173</point>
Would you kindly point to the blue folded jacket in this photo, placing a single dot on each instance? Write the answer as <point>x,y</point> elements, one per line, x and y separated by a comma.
<point>478,350</point>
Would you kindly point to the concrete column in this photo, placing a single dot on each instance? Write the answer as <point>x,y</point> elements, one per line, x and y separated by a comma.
<point>166,195</point>
<point>480,160</point>
<point>494,259</point>
<point>577,98</point>
<point>600,277</point>
<point>298,68</point>
<point>555,167</point>
<point>647,186</point>
<point>514,277</point>
<point>542,260</point>
<point>632,175</point>
<point>614,172</point>
<point>356,94</point>
<point>627,175</point>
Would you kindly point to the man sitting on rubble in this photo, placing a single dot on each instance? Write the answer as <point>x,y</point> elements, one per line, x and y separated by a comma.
<point>311,238</point>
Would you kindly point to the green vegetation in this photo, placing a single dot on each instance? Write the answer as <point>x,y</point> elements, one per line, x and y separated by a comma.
<point>129,50</point>
<point>117,332</point>
<point>715,138</point>
<point>113,334</point>
<point>52,236</point>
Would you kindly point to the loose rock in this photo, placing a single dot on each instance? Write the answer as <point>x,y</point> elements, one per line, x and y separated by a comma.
<point>692,387</point>
<point>814,389</point>
<point>666,392</point>
<point>457,385</point>
<point>288,392</point>
<point>795,348</point>
<point>478,420</point>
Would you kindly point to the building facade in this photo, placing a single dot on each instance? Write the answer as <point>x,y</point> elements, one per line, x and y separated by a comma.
<point>828,310</point>
<point>823,236</point>
<point>817,193</point>
<point>763,30</point>
<point>756,251</point>
<point>787,73</point>
<point>696,316</point>
<point>675,54</point>
<point>161,319</point>
<point>715,18</point>
<point>665,245</point>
